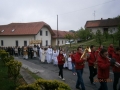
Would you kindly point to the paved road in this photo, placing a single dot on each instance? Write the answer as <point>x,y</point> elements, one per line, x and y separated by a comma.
<point>50,72</point>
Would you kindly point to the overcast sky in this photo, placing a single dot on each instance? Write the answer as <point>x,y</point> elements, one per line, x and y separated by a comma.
<point>72,14</point>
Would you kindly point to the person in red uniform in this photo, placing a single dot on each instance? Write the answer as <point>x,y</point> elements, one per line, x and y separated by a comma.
<point>79,65</point>
<point>61,61</point>
<point>116,70</point>
<point>110,50</point>
<point>91,62</point>
<point>73,62</point>
<point>103,69</point>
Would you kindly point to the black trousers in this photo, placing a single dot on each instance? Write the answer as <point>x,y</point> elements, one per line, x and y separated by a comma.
<point>103,85</point>
<point>60,70</point>
<point>93,72</point>
<point>116,80</point>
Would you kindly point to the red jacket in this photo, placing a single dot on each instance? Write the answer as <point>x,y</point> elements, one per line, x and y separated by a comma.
<point>73,58</point>
<point>117,58</point>
<point>91,60</point>
<point>60,58</point>
<point>78,63</point>
<point>110,50</point>
<point>103,67</point>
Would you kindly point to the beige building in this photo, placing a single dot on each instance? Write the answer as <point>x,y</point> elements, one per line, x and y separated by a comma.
<point>104,25</point>
<point>19,34</point>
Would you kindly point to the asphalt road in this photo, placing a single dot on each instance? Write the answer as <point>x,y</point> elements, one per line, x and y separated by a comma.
<point>70,78</point>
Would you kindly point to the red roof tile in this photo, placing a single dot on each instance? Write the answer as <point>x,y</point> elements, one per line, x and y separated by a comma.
<point>61,34</point>
<point>24,28</point>
<point>102,23</point>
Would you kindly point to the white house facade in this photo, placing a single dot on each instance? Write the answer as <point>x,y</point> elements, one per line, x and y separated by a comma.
<point>104,25</point>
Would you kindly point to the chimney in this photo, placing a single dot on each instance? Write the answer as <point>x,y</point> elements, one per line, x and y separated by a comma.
<point>101,18</point>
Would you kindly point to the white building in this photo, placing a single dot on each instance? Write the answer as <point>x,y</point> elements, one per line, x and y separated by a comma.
<point>104,25</point>
<point>19,34</point>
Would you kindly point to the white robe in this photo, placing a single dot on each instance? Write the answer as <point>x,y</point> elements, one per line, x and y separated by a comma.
<point>54,57</point>
<point>69,63</point>
<point>43,55</point>
<point>66,62</point>
<point>40,53</point>
<point>49,59</point>
<point>35,52</point>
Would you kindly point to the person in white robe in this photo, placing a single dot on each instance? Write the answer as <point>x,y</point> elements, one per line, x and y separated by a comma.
<point>35,51</point>
<point>25,52</point>
<point>66,61</point>
<point>49,51</point>
<point>54,57</point>
<point>40,53</point>
<point>43,55</point>
<point>69,62</point>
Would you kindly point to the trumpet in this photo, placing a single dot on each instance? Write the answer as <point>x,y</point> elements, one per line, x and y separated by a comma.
<point>113,61</point>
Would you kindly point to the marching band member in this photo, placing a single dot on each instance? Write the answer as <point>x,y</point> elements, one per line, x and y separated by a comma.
<point>73,62</point>
<point>55,54</point>
<point>69,62</point>
<point>103,69</point>
<point>49,51</point>
<point>43,54</point>
<point>91,62</point>
<point>110,50</point>
<point>79,68</point>
<point>116,70</point>
<point>35,51</point>
<point>61,61</point>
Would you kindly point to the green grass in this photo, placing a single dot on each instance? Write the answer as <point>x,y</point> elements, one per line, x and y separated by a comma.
<point>106,43</point>
<point>33,74</point>
<point>8,83</point>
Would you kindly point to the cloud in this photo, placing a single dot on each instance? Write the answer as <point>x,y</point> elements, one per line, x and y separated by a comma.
<point>72,14</point>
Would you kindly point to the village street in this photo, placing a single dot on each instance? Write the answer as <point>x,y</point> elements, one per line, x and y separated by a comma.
<point>50,72</point>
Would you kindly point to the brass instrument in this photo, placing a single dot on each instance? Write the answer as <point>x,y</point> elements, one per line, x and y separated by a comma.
<point>85,54</point>
<point>116,63</point>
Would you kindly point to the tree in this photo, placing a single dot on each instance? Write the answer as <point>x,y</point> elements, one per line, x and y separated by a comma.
<point>117,35</point>
<point>106,35</point>
<point>69,37</point>
<point>99,37</point>
<point>112,35</point>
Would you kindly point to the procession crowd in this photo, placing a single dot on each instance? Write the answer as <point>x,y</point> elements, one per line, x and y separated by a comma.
<point>99,61</point>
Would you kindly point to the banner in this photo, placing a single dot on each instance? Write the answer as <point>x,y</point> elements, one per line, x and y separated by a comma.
<point>35,42</point>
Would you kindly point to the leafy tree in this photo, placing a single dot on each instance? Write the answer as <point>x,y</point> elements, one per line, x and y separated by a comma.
<point>99,37</point>
<point>69,37</point>
<point>117,35</point>
<point>106,35</point>
<point>112,35</point>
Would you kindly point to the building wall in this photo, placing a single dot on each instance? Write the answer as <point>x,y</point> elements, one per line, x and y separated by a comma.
<point>61,42</point>
<point>113,29</point>
<point>11,40</point>
<point>43,37</point>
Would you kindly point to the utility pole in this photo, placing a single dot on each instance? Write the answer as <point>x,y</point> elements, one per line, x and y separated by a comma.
<point>57,33</point>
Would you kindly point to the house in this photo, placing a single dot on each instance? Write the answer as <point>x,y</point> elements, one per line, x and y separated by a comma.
<point>19,34</point>
<point>60,40</point>
<point>22,34</point>
<point>104,25</point>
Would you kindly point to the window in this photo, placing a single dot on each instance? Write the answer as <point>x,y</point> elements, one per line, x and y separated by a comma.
<point>25,43</point>
<point>40,32</point>
<point>2,44</point>
<point>46,42</point>
<point>16,43</point>
<point>46,33</point>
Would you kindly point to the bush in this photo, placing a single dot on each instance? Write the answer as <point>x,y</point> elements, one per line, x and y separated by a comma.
<point>42,84</point>
<point>14,68</point>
